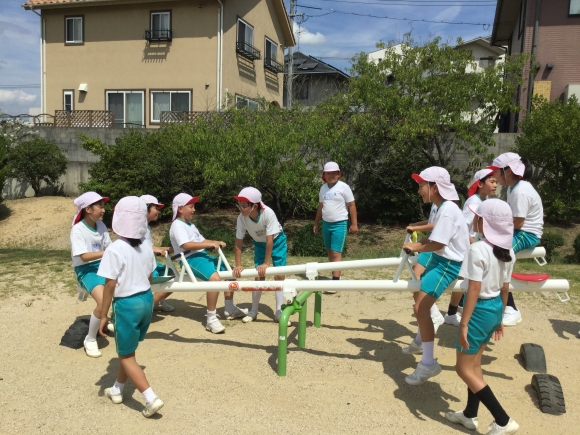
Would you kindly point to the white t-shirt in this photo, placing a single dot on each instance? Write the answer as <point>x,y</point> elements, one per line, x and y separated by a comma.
<point>468,214</point>
<point>450,229</point>
<point>432,214</point>
<point>481,265</point>
<point>334,201</point>
<point>525,202</point>
<point>183,232</point>
<point>131,267</point>
<point>267,225</point>
<point>84,239</point>
<point>148,235</point>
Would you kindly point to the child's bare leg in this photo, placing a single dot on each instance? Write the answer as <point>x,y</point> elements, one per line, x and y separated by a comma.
<point>334,256</point>
<point>160,296</point>
<point>132,370</point>
<point>95,320</point>
<point>97,295</point>
<point>468,367</point>
<point>212,297</point>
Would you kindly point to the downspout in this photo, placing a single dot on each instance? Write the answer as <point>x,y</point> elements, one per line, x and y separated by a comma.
<point>220,37</point>
<point>42,69</point>
<point>534,50</point>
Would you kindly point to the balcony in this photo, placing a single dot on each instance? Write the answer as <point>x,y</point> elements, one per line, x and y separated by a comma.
<point>158,35</point>
<point>273,65</point>
<point>247,50</point>
<point>84,118</point>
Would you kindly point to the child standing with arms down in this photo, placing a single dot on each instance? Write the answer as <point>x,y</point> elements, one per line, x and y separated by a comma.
<point>527,209</point>
<point>487,269</point>
<point>269,240</point>
<point>185,237</point>
<point>448,241</point>
<point>89,238</point>
<point>336,203</point>
<point>127,267</point>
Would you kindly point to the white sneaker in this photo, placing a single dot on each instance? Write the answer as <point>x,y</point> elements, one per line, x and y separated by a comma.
<point>250,317</point>
<point>438,321</point>
<point>215,326</point>
<point>511,317</point>
<point>459,418</point>
<point>164,306</point>
<point>510,428</point>
<point>115,398</point>
<point>153,407</point>
<point>422,373</point>
<point>111,327</point>
<point>453,319</point>
<point>238,312</point>
<point>460,309</point>
<point>92,349</point>
<point>413,348</point>
<point>277,317</point>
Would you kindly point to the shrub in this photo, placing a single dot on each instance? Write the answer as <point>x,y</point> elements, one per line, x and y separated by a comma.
<point>307,244</point>
<point>551,240</point>
<point>222,234</point>
<point>577,248</point>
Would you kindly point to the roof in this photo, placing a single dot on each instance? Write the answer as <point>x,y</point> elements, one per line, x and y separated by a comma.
<point>304,64</point>
<point>506,15</point>
<point>483,42</point>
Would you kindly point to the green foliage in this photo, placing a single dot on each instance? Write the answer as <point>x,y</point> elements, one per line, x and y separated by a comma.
<point>4,169</point>
<point>551,141</point>
<point>551,240</point>
<point>37,161</point>
<point>221,234</point>
<point>307,244</point>
<point>577,248</point>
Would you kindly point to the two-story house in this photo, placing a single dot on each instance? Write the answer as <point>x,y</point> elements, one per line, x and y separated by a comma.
<point>139,58</point>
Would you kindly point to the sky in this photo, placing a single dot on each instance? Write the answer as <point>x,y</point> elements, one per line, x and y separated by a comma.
<point>327,30</point>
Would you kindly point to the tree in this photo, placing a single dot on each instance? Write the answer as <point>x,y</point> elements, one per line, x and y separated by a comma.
<point>36,161</point>
<point>4,169</point>
<point>551,141</point>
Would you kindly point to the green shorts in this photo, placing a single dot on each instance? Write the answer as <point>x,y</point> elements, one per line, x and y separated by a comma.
<point>279,251</point>
<point>334,235</point>
<point>87,275</point>
<point>203,265</point>
<point>438,275</point>
<point>486,318</point>
<point>132,318</point>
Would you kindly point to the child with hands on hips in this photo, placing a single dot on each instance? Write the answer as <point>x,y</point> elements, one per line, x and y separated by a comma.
<point>89,238</point>
<point>448,241</point>
<point>487,270</point>
<point>127,266</point>
<point>270,246</point>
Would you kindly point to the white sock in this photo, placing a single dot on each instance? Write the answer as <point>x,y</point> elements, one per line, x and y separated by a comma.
<point>117,388</point>
<point>435,311</point>
<point>229,306</point>
<point>279,300</point>
<point>256,301</point>
<point>418,337</point>
<point>428,348</point>
<point>211,315</point>
<point>94,325</point>
<point>149,395</point>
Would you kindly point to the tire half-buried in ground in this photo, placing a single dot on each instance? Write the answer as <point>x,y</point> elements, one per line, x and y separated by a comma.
<point>550,394</point>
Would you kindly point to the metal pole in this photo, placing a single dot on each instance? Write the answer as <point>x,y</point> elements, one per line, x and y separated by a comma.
<point>317,309</point>
<point>302,325</point>
<point>283,331</point>
<point>290,58</point>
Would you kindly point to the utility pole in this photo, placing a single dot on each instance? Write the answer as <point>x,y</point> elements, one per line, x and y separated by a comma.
<point>290,57</point>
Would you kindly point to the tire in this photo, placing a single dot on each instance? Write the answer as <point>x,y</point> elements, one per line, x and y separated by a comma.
<point>533,357</point>
<point>74,336</point>
<point>550,394</point>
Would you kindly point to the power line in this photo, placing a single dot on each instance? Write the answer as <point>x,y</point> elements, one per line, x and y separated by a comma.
<point>421,3</point>
<point>19,86</point>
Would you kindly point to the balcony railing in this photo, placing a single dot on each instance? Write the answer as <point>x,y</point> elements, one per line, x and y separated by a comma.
<point>84,118</point>
<point>247,50</point>
<point>273,65</point>
<point>158,35</point>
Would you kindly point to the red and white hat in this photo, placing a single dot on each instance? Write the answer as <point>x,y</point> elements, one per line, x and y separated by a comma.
<point>439,176</point>
<point>330,167</point>
<point>83,201</point>
<point>479,175</point>
<point>251,195</point>
<point>130,218</point>
<point>150,199</point>
<point>511,160</point>
<point>498,221</point>
<point>182,199</point>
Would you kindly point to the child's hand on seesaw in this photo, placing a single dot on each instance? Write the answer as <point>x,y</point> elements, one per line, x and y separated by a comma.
<point>262,269</point>
<point>413,247</point>
<point>237,271</point>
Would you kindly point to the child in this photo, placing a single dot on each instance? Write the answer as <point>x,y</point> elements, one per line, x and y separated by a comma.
<point>449,241</point>
<point>269,241</point>
<point>513,171</point>
<point>89,238</point>
<point>153,208</point>
<point>127,267</point>
<point>185,237</point>
<point>336,202</point>
<point>487,268</point>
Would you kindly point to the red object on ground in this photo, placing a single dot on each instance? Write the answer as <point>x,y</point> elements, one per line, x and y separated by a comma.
<point>532,277</point>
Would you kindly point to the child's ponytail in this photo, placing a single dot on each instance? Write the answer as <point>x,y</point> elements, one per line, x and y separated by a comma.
<point>137,242</point>
<point>502,254</point>
<point>528,171</point>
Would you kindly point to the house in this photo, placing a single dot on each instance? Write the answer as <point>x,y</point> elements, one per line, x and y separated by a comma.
<point>549,30</point>
<point>139,58</point>
<point>313,80</point>
<point>483,52</point>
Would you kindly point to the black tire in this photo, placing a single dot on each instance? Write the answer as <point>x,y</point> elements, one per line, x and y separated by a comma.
<point>74,336</point>
<point>550,394</point>
<point>533,357</point>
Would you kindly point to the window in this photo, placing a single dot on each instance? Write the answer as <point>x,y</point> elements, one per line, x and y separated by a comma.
<point>574,7</point>
<point>165,101</point>
<point>160,26</point>
<point>68,98</point>
<point>127,106</point>
<point>73,30</point>
<point>271,57</point>
<point>242,102</point>
<point>245,40</point>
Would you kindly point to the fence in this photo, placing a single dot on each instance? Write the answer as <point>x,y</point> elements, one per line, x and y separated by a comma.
<point>84,118</point>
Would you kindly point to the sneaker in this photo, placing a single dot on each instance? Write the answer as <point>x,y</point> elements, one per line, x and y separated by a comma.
<point>92,349</point>
<point>250,317</point>
<point>277,317</point>
<point>111,327</point>
<point>115,398</point>
<point>164,306</point>
<point>511,317</point>
<point>460,309</point>
<point>453,319</point>
<point>413,348</point>
<point>422,373</point>
<point>438,321</point>
<point>459,418</point>
<point>153,407</point>
<point>215,327</point>
<point>496,429</point>
<point>238,313</point>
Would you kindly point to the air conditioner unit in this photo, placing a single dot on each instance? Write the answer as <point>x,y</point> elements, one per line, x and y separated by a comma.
<point>572,89</point>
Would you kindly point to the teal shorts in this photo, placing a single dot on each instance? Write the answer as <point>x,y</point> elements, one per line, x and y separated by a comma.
<point>203,265</point>
<point>486,318</point>
<point>87,276</point>
<point>160,271</point>
<point>424,258</point>
<point>132,318</point>
<point>438,275</point>
<point>523,240</point>
<point>334,235</point>
<point>279,251</point>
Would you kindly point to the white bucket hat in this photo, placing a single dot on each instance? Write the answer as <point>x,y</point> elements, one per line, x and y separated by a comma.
<point>182,199</point>
<point>439,176</point>
<point>479,175</point>
<point>130,218</point>
<point>251,195</point>
<point>150,199</point>
<point>511,160</point>
<point>331,167</point>
<point>83,201</point>
<point>498,221</point>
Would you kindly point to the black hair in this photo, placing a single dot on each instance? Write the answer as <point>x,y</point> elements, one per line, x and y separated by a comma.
<point>149,207</point>
<point>502,254</point>
<point>134,242</point>
<point>483,180</point>
<point>528,171</point>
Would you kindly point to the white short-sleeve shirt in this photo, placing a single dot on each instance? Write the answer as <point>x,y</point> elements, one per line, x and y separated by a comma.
<point>148,235</point>
<point>468,214</point>
<point>84,239</point>
<point>183,232</point>
<point>334,200</point>
<point>526,203</point>
<point>450,229</point>
<point>131,267</point>
<point>432,214</point>
<point>266,225</point>
<point>481,265</point>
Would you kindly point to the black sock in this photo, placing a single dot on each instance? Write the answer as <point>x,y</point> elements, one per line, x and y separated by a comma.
<point>510,301</point>
<point>335,278</point>
<point>452,310</point>
<point>486,396</point>
<point>472,405</point>
<point>462,300</point>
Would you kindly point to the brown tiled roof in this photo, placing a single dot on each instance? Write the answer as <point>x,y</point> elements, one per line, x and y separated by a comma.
<point>52,2</point>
